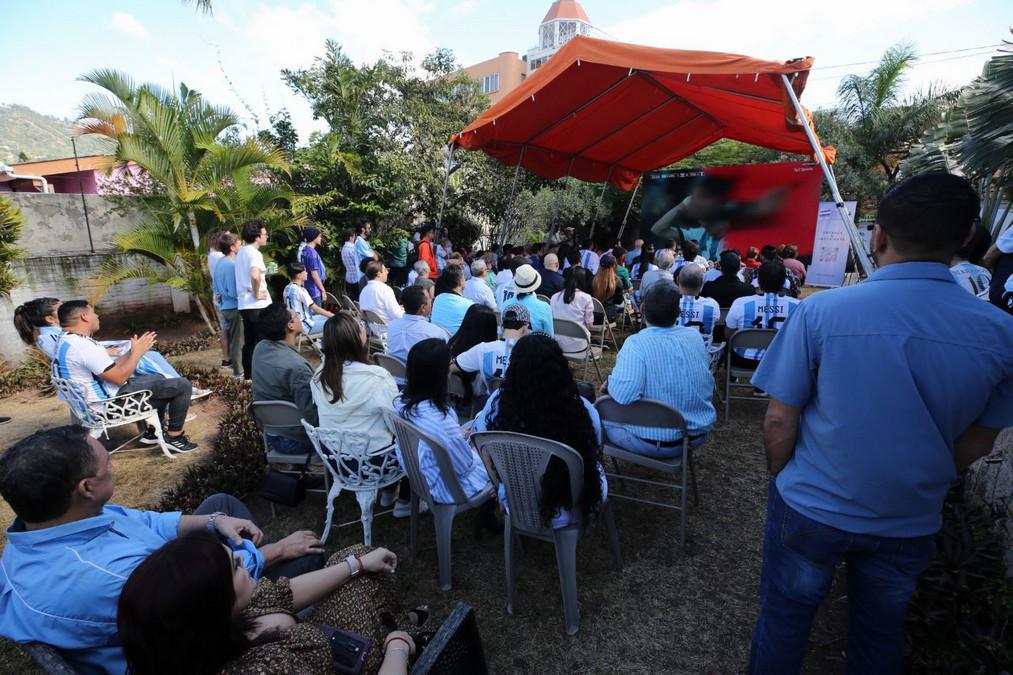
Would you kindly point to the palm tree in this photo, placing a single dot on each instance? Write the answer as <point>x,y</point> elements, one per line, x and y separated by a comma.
<point>175,140</point>
<point>880,124</point>
<point>201,5</point>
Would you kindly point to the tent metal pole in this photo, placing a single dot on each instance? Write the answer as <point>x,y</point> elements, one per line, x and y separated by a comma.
<point>629,208</point>
<point>513,194</point>
<point>597,207</point>
<point>862,258</point>
<point>446,184</point>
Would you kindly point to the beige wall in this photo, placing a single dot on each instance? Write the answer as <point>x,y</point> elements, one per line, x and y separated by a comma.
<point>511,71</point>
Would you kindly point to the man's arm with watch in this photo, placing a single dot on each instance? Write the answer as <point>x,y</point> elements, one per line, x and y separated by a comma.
<point>293,546</point>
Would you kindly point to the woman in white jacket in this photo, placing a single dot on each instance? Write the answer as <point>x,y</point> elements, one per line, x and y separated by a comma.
<point>351,393</point>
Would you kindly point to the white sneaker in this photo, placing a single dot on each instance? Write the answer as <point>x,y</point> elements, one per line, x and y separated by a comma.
<point>404,509</point>
<point>199,394</point>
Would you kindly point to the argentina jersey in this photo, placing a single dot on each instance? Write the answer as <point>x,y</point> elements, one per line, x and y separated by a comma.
<point>300,304</point>
<point>699,313</point>
<point>973,278</point>
<point>82,359</point>
<point>767,311</point>
<point>505,293</point>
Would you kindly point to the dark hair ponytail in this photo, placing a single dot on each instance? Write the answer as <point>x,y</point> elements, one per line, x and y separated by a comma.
<point>31,316</point>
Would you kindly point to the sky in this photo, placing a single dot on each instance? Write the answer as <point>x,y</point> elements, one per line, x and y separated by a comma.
<point>234,56</point>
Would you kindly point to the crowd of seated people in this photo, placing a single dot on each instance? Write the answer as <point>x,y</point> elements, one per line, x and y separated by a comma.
<point>476,316</point>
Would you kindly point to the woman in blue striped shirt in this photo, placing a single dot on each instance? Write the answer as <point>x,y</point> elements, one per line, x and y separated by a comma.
<point>426,404</point>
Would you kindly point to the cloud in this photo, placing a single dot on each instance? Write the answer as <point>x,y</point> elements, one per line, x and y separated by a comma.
<point>464,8</point>
<point>122,22</point>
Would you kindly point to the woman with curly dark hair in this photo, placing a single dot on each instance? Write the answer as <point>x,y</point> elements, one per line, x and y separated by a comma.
<point>539,397</point>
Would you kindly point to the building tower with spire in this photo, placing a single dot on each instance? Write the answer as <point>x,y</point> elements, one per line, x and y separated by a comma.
<point>565,20</point>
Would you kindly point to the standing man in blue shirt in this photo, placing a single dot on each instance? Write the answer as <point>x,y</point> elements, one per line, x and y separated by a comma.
<point>362,248</point>
<point>881,395</point>
<point>69,551</point>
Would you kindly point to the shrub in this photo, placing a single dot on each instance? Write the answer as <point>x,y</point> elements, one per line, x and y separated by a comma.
<point>34,373</point>
<point>236,463</point>
<point>11,222</point>
<point>961,616</point>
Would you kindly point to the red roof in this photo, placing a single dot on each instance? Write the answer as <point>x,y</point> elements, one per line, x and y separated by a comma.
<point>607,111</point>
<point>566,9</point>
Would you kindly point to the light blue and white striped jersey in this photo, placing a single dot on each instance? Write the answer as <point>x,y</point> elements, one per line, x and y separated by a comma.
<point>767,311</point>
<point>83,359</point>
<point>974,278</point>
<point>299,301</point>
<point>468,466</point>
<point>505,293</point>
<point>589,260</point>
<point>700,313</point>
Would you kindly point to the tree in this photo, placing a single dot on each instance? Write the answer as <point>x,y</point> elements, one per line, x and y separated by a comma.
<point>11,222</point>
<point>974,137</point>
<point>175,141</point>
<point>873,127</point>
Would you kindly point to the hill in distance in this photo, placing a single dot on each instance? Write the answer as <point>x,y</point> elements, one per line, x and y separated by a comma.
<point>25,133</point>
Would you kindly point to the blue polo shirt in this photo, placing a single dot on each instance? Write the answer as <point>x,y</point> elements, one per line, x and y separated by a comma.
<point>61,585</point>
<point>449,310</point>
<point>888,373</point>
<point>540,312</point>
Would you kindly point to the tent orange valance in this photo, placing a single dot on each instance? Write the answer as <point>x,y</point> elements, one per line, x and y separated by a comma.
<point>608,111</point>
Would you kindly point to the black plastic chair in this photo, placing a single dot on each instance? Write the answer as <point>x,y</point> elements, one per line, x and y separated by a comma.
<point>456,649</point>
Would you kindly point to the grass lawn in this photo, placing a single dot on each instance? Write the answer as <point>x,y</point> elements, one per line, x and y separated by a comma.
<point>670,609</point>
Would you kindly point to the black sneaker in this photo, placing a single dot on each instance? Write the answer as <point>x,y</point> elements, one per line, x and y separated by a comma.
<point>226,364</point>
<point>180,443</point>
<point>149,437</point>
<point>4,420</point>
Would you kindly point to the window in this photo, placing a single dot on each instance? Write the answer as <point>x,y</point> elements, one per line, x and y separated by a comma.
<point>490,83</point>
<point>567,31</point>
<point>536,63</point>
<point>548,34</point>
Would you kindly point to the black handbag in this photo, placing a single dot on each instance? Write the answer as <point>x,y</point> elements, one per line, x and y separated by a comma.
<point>284,488</point>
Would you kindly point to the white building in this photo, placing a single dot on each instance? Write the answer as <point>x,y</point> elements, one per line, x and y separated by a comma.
<point>565,20</point>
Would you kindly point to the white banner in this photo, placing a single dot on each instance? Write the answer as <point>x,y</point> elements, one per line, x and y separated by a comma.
<point>830,248</point>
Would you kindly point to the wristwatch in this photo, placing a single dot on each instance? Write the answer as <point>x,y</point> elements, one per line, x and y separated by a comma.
<point>211,522</point>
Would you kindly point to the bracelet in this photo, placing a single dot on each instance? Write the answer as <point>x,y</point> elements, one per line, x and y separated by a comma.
<point>397,637</point>
<point>211,522</point>
<point>354,565</point>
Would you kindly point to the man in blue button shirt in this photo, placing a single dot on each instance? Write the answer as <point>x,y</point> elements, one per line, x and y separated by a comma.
<point>69,551</point>
<point>882,393</point>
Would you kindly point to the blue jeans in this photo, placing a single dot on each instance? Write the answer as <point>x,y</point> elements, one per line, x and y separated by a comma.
<point>620,435</point>
<point>799,559</point>
<point>287,446</point>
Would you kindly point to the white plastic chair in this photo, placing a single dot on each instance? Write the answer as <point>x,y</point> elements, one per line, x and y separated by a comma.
<point>354,468</point>
<point>747,338</point>
<point>408,438</point>
<point>108,413</point>
<point>591,353</point>
<point>520,461</point>
<point>650,413</point>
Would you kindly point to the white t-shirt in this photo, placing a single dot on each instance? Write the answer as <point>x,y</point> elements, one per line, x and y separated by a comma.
<point>972,277</point>
<point>1004,242</point>
<point>379,297</point>
<point>505,293</point>
<point>248,258</point>
<point>581,310</point>
<point>83,359</point>
<point>504,277</point>
<point>213,258</point>
<point>491,359</point>
<point>478,291</point>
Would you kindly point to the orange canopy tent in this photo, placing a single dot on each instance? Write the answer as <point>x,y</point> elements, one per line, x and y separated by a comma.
<point>606,112</point>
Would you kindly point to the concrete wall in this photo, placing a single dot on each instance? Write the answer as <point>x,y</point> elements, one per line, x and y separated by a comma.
<point>60,264</point>
<point>990,483</point>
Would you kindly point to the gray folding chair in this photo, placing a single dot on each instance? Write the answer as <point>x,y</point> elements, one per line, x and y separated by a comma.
<point>355,468</point>
<point>347,304</point>
<point>494,383</point>
<point>273,417</point>
<point>600,330</point>
<point>544,298</point>
<point>376,326</point>
<point>520,461</point>
<point>747,338</point>
<point>393,365</point>
<point>591,352</point>
<point>408,438</point>
<point>650,413</point>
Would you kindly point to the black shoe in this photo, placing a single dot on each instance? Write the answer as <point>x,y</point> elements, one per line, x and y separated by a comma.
<point>149,437</point>
<point>180,443</point>
<point>4,420</point>
<point>226,363</point>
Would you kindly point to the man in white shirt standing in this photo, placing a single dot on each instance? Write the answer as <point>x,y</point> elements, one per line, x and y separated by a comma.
<point>476,289</point>
<point>377,296</point>
<point>80,358</point>
<point>251,288</point>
